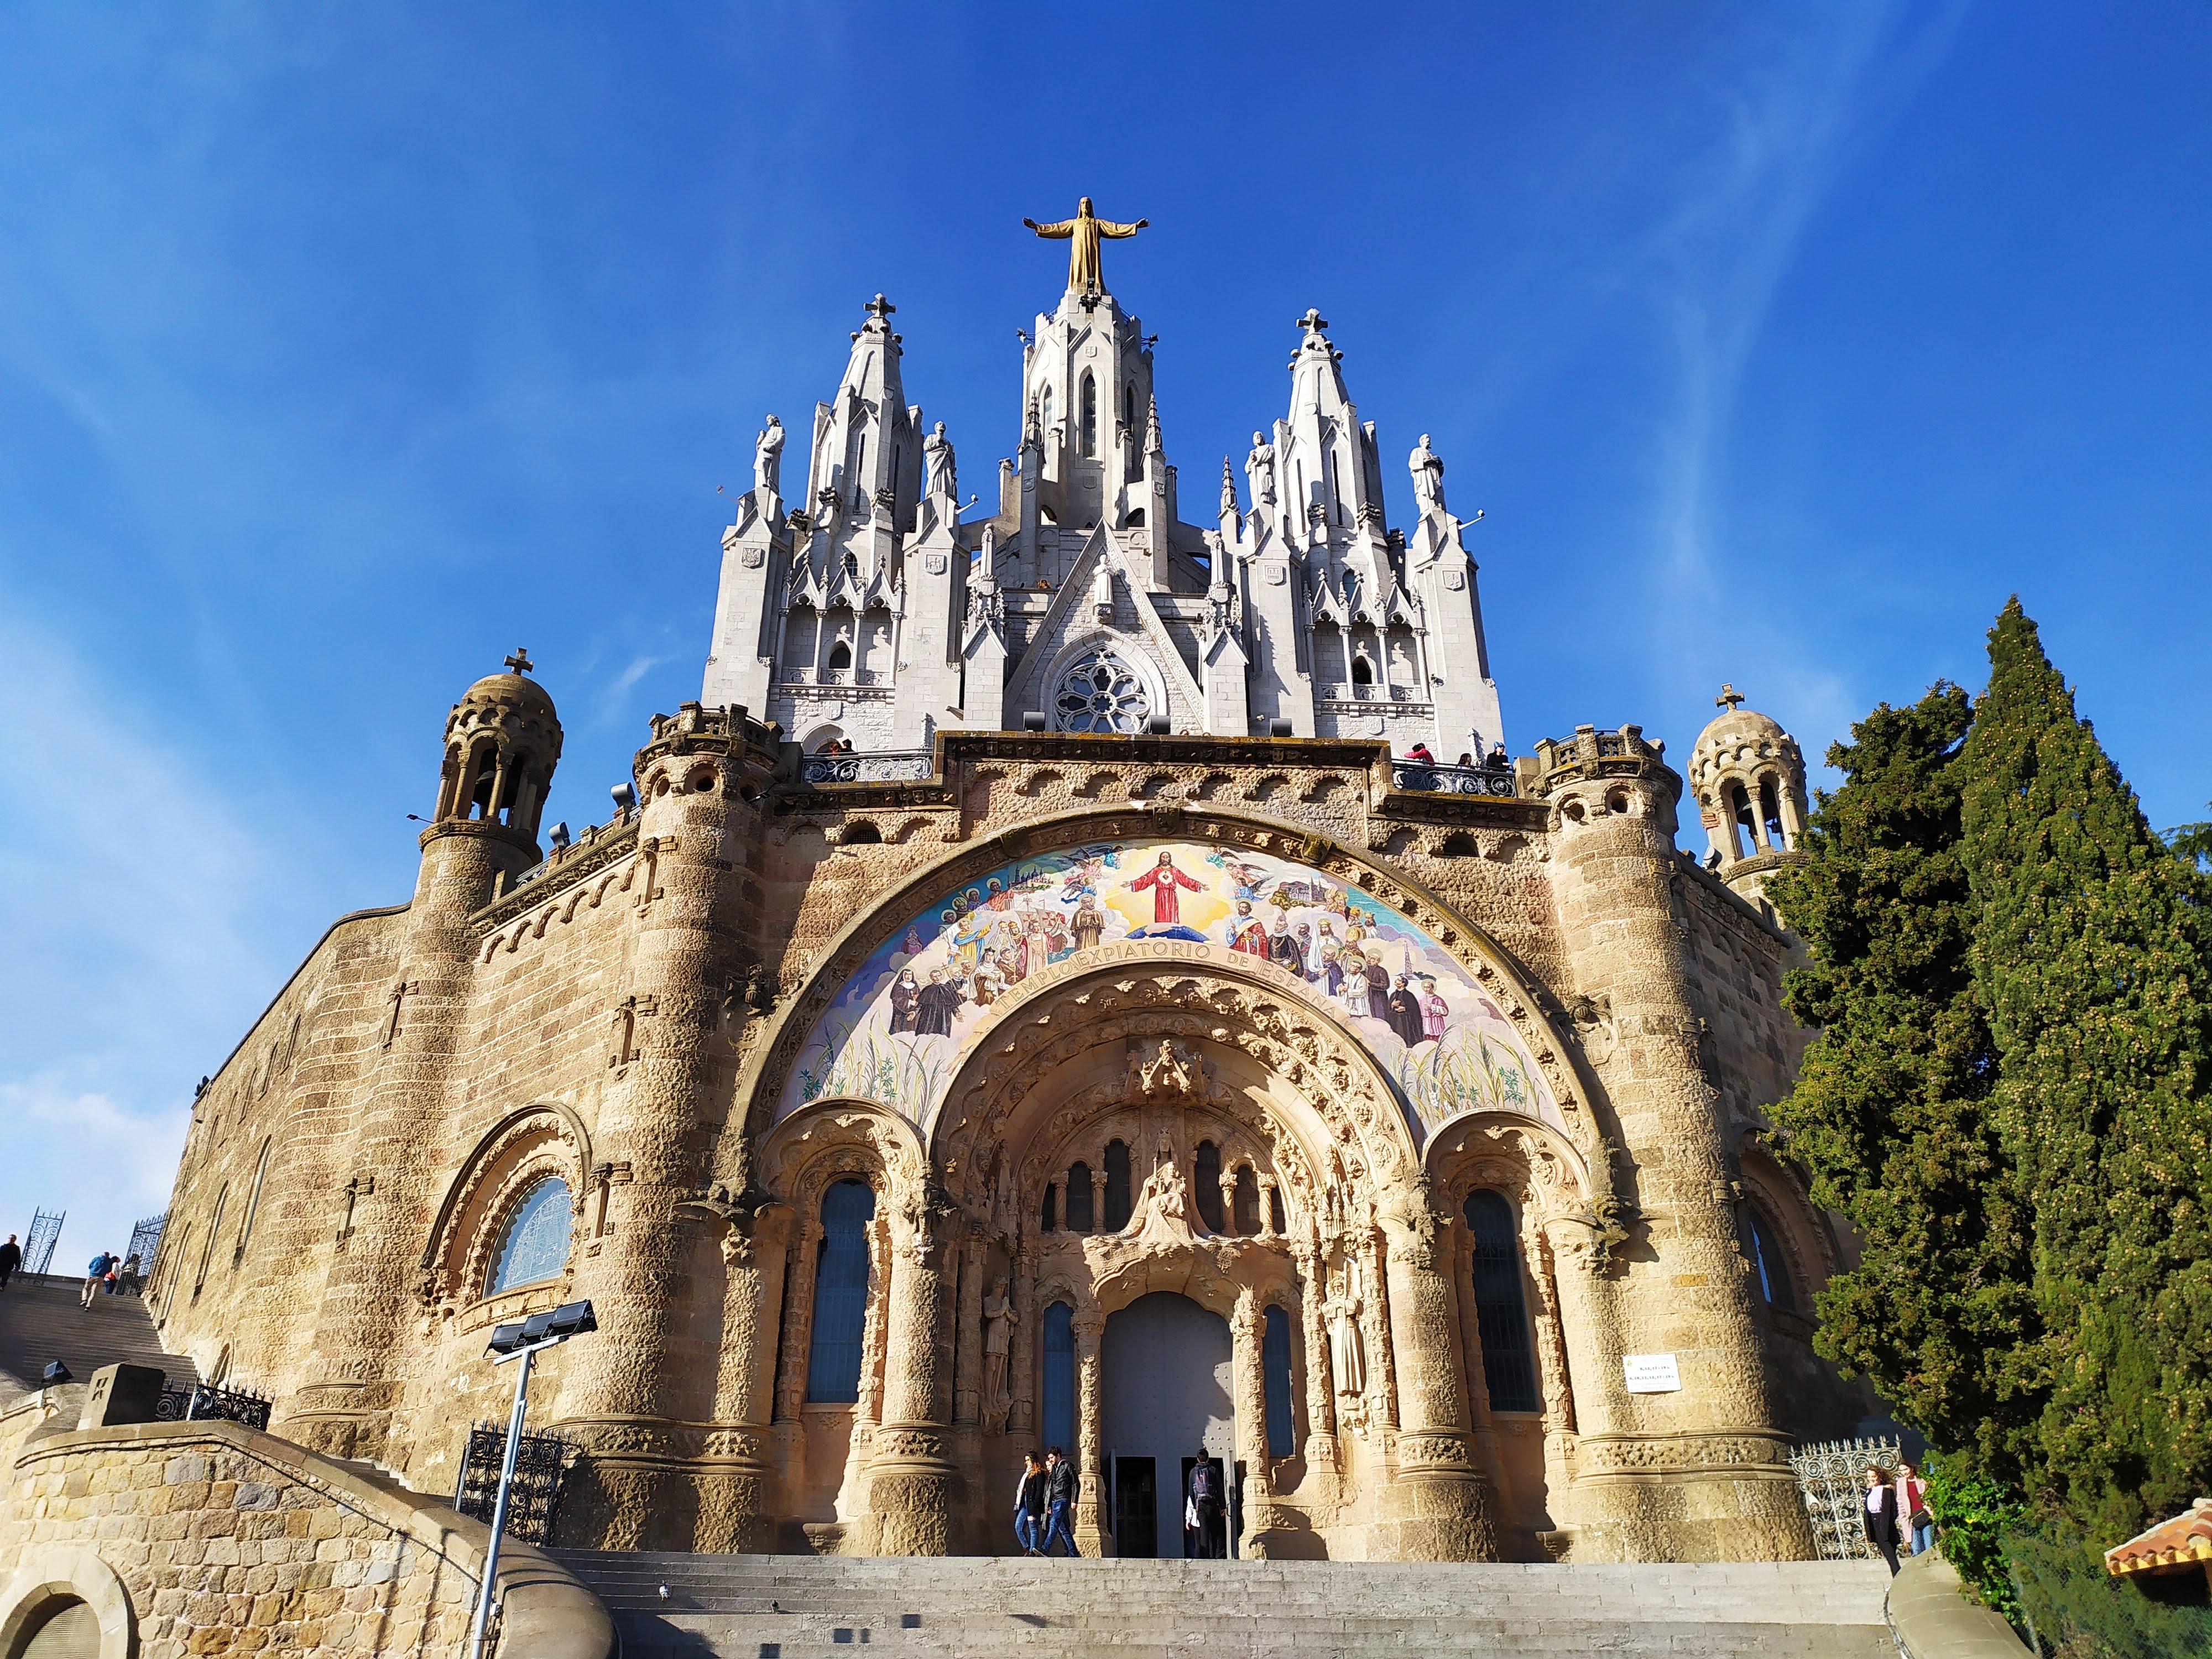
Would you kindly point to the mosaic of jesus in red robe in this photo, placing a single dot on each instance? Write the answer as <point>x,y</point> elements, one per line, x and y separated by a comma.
<point>1163,879</point>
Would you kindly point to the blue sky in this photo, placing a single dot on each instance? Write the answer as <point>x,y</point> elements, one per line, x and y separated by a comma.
<point>341,350</point>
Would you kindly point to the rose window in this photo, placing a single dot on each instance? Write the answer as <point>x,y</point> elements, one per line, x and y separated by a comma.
<point>1101,693</point>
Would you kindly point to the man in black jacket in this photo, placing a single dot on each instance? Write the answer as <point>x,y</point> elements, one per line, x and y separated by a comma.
<point>11,1257</point>
<point>1060,1500</point>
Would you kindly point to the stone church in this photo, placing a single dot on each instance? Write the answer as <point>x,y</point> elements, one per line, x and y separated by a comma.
<point>1057,988</point>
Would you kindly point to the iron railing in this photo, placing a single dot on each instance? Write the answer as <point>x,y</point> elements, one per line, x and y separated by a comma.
<point>878,766</point>
<point>1454,780</point>
<point>541,1465</point>
<point>1831,1480</point>
<point>195,1402</point>
<point>39,1245</point>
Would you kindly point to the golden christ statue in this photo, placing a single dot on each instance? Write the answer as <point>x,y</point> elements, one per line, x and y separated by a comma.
<point>1082,233</point>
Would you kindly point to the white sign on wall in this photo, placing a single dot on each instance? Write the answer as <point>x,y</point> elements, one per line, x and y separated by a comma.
<point>1652,1373</point>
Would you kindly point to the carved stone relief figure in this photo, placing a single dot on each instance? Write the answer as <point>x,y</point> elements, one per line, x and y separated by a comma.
<point>999,1322</point>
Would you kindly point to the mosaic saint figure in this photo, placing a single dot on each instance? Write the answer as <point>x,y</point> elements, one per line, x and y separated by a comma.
<point>1089,924</point>
<point>906,999</point>
<point>936,1006</point>
<point>1245,932</point>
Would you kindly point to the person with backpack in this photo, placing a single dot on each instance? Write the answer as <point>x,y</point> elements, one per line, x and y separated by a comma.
<point>1206,1503</point>
<point>1029,1503</point>
<point>1060,1500</point>
<point>95,1275</point>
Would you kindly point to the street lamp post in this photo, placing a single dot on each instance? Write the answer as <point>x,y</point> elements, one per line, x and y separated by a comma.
<point>519,1341</point>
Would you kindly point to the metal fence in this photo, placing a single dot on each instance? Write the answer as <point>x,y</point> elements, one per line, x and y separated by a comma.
<point>198,1402</point>
<point>540,1463</point>
<point>39,1248</point>
<point>878,766</point>
<point>1831,1480</point>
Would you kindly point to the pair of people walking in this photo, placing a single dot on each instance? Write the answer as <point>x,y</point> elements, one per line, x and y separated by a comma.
<point>1896,1507</point>
<point>1044,1502</point>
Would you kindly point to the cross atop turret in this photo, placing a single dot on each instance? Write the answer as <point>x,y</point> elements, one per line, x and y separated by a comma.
<point>1313,322</point>
<point>880,308</point>
<point>520,662</point>
<point>1728,698</point>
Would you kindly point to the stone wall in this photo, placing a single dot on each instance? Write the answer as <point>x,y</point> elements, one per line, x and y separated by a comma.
<point>221,1540</point>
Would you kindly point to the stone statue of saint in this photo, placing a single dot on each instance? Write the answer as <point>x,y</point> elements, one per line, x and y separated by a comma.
<point>1347,1351</point>
<point>768,457</point>
<point>936,455</point>
<point>1102,590</point>
<point>1259,469</point>
<point>1082,233</point>
<point>999,1322</point>
<point>1428,470</point>
<point>1163,1190</point>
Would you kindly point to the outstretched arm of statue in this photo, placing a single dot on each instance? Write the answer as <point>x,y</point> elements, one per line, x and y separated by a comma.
<point>1059,231</point>
<point>1112,227</point>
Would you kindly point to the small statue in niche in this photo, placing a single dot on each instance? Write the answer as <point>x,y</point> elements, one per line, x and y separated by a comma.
<point>1259,469</point>
<point>999,1322</point>
<point>1348,1350</point>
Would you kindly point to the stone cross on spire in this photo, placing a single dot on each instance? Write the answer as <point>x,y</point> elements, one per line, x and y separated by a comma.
<point>520,662</point>
<point>1728,698</point>
<point>880,309</point>
<point>1313,322</point>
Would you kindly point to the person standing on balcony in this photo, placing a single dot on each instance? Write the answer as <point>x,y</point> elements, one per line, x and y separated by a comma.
<point>11,1257</point>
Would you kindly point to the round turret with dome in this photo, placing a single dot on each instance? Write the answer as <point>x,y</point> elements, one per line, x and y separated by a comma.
<point>1749,780</point>
<point>503,742</point>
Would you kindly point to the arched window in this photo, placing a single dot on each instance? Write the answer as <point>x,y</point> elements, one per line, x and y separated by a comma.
<point>1044,414</point>
<point>207,1250</point>
<point>253,1198</point>
<point>840,1294</point>
<point>1773,1267</point>
<point>1059,1423</point>
<point>1769,811</point>
<point>1101,693</point>
<point>1051,1219</point>
<point>1079,1199</point>
<point>1117,1186</point>
<point>1090,418</point>
<point>853,566</point>
<point>1363,671</point>
<point>533,1244</point>
<point>1275,1379</point>
<point>1278,1224</point>
<point>1129,405</point>
<point>1206,1184</point>
<point>840,657</point>
<point>1741,836</point>
<point>1246,1202</point>
<point>1501,1313</point>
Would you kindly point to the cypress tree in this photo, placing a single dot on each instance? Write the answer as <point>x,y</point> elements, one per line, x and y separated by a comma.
<point>1891,1108</point>
<point>2089,954</point>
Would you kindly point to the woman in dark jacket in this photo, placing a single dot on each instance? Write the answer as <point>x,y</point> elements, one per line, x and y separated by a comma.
<point>1878,1513</point>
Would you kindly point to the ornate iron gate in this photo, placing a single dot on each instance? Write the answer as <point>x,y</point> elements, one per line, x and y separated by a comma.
<point>39,1248</point>
<point>1832,1478</point>
<point>541,1462</point>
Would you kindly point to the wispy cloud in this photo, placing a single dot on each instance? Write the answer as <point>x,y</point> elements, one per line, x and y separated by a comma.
<point>613,704</point>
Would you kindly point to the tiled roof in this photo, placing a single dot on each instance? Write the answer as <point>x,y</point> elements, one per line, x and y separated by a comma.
<point>2184,1541</point>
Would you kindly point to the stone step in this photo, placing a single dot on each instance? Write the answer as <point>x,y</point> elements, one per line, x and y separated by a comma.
<point>783,1607</point>
<point>41,1322</point>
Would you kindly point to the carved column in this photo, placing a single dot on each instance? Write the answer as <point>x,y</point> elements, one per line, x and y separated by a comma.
<point>1439,1506</point>
<point>739,1516</point>
<point>1098,1196</point>
<point>797,1338</point>
<point>1022,1418</point>
<point>1320,1381</point>
<point>968,1374</point>
<point>914,1486</point>
<point>1374,1327</point>
<point>1092,1535</point>
<point>1248,1371</point>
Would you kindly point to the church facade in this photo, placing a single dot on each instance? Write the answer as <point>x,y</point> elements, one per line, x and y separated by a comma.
<point>1032,998</point>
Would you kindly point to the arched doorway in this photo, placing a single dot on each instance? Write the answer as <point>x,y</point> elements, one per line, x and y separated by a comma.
<point>1167,1388</point>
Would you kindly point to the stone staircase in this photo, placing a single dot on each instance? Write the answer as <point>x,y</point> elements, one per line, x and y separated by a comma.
<point>777,1607</point>
<point>40,1320</point>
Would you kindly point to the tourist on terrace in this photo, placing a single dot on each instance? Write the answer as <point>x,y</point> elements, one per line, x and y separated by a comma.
<point>1912,1504</point>
<point>1206,1506</point>
<point>1878,1514</point>
<point>1060,1500</point>
<point>1419,752</point>
<point>11,1257</point>
<point>1029,1503</point>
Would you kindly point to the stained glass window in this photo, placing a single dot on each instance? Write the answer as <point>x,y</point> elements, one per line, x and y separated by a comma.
<point>534,1243</point>
<point>1501,1312</point>
<point>840,1294</point>
<point>1276,1374</point>
<point>1101,693</point>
